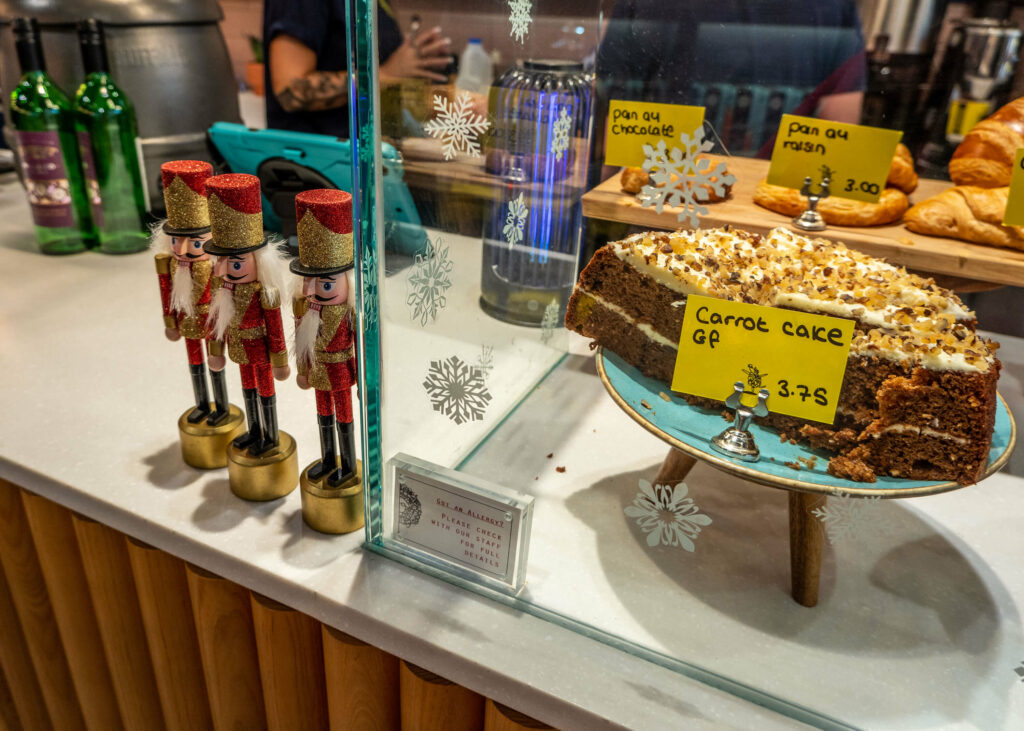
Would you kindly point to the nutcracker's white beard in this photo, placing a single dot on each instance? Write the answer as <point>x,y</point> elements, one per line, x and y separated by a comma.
<point>181,291</point>
<point>222,311</point>
<point>305,337</point>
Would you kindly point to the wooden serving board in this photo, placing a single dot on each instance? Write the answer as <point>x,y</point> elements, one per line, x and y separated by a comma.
<point>893,242</point>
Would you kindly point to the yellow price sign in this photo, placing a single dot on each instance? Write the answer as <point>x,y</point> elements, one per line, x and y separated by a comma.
<point>799,357</point>
<point>1014,213</point>
<point>631,125</point>
<point>963,115</point>
<point>856,158</point>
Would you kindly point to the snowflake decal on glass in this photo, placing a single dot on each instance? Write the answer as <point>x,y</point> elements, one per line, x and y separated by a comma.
<point>457,126</point>
<point>560,134</point>
<point>366,142</point>
<point>485,361</point>
<point>457,390</point>
<point>369,273</point>
<point>410,510</point>
<point>667,515</point>
<point>549,322</point>
<point>429,279</point>
<point>682,178</point>
<point>515,221</point>
<point>519,16</point>
<point>845,517</point>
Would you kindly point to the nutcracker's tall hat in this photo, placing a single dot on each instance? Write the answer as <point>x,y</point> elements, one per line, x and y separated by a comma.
<point>185,197</point>
<point>325,232</point>
<point>236,214</point>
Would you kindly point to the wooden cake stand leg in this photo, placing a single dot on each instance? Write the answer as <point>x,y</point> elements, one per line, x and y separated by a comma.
<point>806,541</point>
<point>675,468</point>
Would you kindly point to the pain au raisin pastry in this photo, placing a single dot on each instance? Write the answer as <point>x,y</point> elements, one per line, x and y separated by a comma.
<point>836,211</point>
<point>919,395</point>
<point>845,212</point>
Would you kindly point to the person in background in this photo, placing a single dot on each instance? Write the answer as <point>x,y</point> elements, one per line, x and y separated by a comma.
<point>307,61</point>
<point>746,61</point>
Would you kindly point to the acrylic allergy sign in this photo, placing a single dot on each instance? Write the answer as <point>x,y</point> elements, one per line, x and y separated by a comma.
<point>461,521</point>
<point>631,125</point>
<point>1014,214</point>
<point>799,357</point>
<point>855,158</point>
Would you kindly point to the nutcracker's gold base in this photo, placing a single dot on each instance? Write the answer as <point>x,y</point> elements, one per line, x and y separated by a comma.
<point>205,447</point>
<point>266,477</point>
<point>333,509</point>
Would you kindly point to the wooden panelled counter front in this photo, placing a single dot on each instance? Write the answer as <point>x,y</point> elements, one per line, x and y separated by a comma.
<point>101,632</point>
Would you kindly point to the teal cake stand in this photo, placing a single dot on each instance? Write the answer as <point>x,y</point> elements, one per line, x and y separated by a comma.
<point>689,429</point>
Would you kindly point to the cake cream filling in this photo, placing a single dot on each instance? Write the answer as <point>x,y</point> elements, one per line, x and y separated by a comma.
<point>643,327</point>
<point>920,431</point>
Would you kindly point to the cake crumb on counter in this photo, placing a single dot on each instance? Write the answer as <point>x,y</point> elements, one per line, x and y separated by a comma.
<point>665,396</point>
<point>559,469</point>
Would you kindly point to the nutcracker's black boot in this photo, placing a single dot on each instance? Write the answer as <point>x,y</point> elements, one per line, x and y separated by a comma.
<point>268,415</point>
<point>346,442</point>
<point>328,458</point>
<point>202,409</point>
<point>252,420</point>
<point>221,407</point>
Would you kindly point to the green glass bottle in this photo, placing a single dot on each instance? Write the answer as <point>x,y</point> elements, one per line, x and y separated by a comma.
<point>107,133</point>
<point>44,125</point>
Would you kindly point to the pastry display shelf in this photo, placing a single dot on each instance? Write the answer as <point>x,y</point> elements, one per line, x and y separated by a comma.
<point>794,467</point>
<point>930,254</point>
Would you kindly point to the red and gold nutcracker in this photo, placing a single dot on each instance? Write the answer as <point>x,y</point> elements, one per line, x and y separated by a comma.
<point>184,271</point>
<point>245,318</point>
<point>325,356</point>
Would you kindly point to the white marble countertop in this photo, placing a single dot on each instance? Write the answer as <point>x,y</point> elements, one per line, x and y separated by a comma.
<point>90,397</point>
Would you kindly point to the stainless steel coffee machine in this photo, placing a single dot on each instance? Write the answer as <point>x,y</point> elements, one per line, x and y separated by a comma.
<point>169,57</point>
<point>988,59</point>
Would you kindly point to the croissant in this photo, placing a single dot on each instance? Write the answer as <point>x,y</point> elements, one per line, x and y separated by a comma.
<point>836,211</point>
<point>901,174</point>
<point>985,157</point>
<point>968,213</point>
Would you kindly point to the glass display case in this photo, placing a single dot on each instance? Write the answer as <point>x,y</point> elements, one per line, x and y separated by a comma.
<point>909,615</point>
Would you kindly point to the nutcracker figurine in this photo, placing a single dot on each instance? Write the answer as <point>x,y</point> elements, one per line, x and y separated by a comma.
<point>332,490</point>
<point>245,315</point>
<point>184,271</point>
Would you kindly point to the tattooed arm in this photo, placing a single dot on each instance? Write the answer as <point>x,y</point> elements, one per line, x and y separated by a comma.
<point>297,84</point>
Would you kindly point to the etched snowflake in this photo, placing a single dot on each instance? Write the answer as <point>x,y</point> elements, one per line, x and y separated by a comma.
<point>366,142</point>
<point>519,17</point>
<point>845,517</point>
<point>515,221</point>
<point>667,515</point>
<point>456,125</point>
<point>429,279</point>
<point>485,361</point>
<point>681,178</point>
<point>410,510</point>
<point>457,390</point>
<point>550,321</point>
<point>560,130</point>
<point>369,294</point>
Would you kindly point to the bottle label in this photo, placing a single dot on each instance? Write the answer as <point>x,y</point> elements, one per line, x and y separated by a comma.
<point>46,178</point>
<point>92,185</point>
